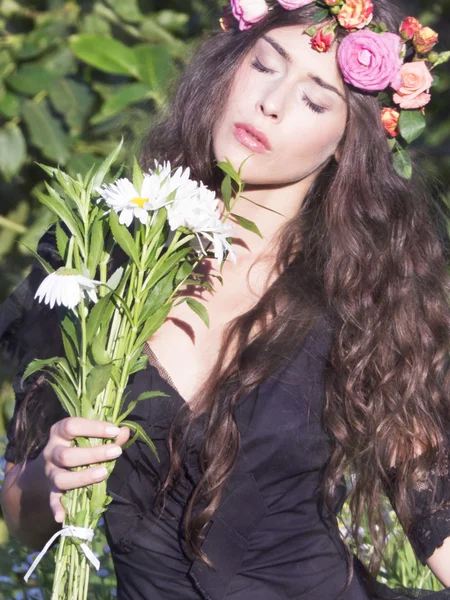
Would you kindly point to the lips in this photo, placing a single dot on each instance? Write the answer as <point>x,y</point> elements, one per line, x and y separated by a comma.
<point>252,138</point>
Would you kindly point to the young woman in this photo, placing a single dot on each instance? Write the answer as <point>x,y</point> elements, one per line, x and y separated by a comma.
<point>327,355</point>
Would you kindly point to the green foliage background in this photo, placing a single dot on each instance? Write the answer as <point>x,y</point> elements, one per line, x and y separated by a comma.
<point>77,76</point>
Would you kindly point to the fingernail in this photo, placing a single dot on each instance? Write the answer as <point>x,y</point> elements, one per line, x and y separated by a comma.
<point>100,473</point>
<point>112,431</point>
<point>113,451</point>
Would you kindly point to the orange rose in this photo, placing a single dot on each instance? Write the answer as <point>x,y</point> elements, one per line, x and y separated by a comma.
<point>409,28</point>
<point>390,117</point>
<point>415,84</point>
<point>356,14</point>
<point>425,39</point>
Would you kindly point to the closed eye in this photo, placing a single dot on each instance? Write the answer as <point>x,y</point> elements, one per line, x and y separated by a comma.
<point>314,107</point>
<point>257,64</point>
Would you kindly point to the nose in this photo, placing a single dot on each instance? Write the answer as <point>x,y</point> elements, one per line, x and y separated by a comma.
<point>272,102</point>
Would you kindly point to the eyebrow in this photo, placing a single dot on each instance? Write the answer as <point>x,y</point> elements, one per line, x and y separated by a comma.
<point>288,58</point>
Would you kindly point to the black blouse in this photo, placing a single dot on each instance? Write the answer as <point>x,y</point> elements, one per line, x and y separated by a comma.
<point>270,539</point>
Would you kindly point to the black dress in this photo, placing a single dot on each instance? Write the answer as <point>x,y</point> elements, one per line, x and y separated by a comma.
<point>269,538</point>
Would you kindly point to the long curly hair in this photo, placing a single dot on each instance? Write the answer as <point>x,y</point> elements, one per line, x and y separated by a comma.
<point>367,250</point>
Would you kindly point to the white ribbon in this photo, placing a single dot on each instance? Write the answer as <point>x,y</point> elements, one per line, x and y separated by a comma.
<point>82,533</point>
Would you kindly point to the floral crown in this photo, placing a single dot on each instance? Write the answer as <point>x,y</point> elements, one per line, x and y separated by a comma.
<point>371,59</point>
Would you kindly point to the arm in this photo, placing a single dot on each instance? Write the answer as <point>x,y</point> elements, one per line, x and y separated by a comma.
<point>31,496</point>
<point>439,562</point>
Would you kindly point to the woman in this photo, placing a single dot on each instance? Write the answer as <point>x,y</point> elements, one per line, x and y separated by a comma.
<point>327,351</point>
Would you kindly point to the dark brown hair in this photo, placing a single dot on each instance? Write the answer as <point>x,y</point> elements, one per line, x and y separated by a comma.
<point>365,250</point>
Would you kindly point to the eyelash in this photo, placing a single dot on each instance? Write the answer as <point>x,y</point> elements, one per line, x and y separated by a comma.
<point>314,107</point>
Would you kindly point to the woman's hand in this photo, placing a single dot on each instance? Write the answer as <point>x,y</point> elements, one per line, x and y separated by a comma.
<point>59,456</point>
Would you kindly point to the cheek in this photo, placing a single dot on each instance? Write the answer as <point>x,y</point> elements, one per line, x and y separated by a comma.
<point>316,136</point>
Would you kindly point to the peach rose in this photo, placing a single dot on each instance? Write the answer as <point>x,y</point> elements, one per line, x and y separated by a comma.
<point>356,14</point>
<point>424,39</point>
<point>409,27</point>
<point>390,117</point>
<point>413,91</point>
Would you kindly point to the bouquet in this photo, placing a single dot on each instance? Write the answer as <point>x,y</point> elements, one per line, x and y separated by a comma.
<point>164,223</point>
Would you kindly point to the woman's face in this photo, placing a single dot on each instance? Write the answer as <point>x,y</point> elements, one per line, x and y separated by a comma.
<point>287,107</point>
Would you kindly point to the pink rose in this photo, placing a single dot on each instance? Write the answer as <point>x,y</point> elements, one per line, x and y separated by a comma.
<point>249,12</point>
<point>413,90</point>
<point>370,61</point>
<point>293,4</point>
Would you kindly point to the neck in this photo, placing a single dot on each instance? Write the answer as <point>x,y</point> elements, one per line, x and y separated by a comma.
<point>258,205</point>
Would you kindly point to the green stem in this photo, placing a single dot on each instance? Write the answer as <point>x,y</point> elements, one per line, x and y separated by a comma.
<point>83,347</point>
<point>8,224</point>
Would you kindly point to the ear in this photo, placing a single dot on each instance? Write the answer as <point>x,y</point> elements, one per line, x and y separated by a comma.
<point>338,155</point>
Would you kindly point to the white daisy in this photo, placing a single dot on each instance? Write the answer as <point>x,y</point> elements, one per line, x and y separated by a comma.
<point>66,287</point>
<point>200,214</point>
<point>159,187</point>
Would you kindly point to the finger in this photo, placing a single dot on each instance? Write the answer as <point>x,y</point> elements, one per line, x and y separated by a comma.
<point>56,507</point>
<point>64,480</point>
<point>123,436</point>
<point>72,427</point>
<point>75,456</point>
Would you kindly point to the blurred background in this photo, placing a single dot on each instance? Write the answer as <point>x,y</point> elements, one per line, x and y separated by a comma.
<point>75,77</point>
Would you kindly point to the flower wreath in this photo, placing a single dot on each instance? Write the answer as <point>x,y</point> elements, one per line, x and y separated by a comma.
<point>371,59</point>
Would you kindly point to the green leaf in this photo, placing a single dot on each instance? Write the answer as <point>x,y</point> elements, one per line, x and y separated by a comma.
<point>228,169</point>
<point>227,191</point>
<point>38,365</point>
<point>320,15</point>
<point>412,124</point>
<point>126,96</point>
<point>46,132</point>
<point>70,339</point>
<point>115,279</point>
<point>61,210</point>
<point>144,396</point>
<point>31,79</point>
<point>140,433</point>
<point>140,364</point>
<point>104,168</point>
<point>123,238</point>
<point>97,380</point>
<point>96,241</point>
<point>99,353</point>
<point>157,296</point>
<point>13,150</point>
<point>402,164</point>
<point>151,325</point>
<point>100,313</point>
<point>199,309</point>
<point>166,264</point>
<point>246,224</point>
<point>155,65</point>
<point>272,210</point>
<point>128,11</point>
<point>74,101</point>
<point>138,176</point>
<point>62,397</point>
<point>106,54</point>
<point>62,240</point>
<point>9,105</point>
<point>47,266</point>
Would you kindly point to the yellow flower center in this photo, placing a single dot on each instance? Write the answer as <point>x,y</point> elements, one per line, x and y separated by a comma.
<point>140,201</point>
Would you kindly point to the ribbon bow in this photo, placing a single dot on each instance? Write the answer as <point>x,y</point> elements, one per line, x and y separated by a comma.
<point>82,533</point>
